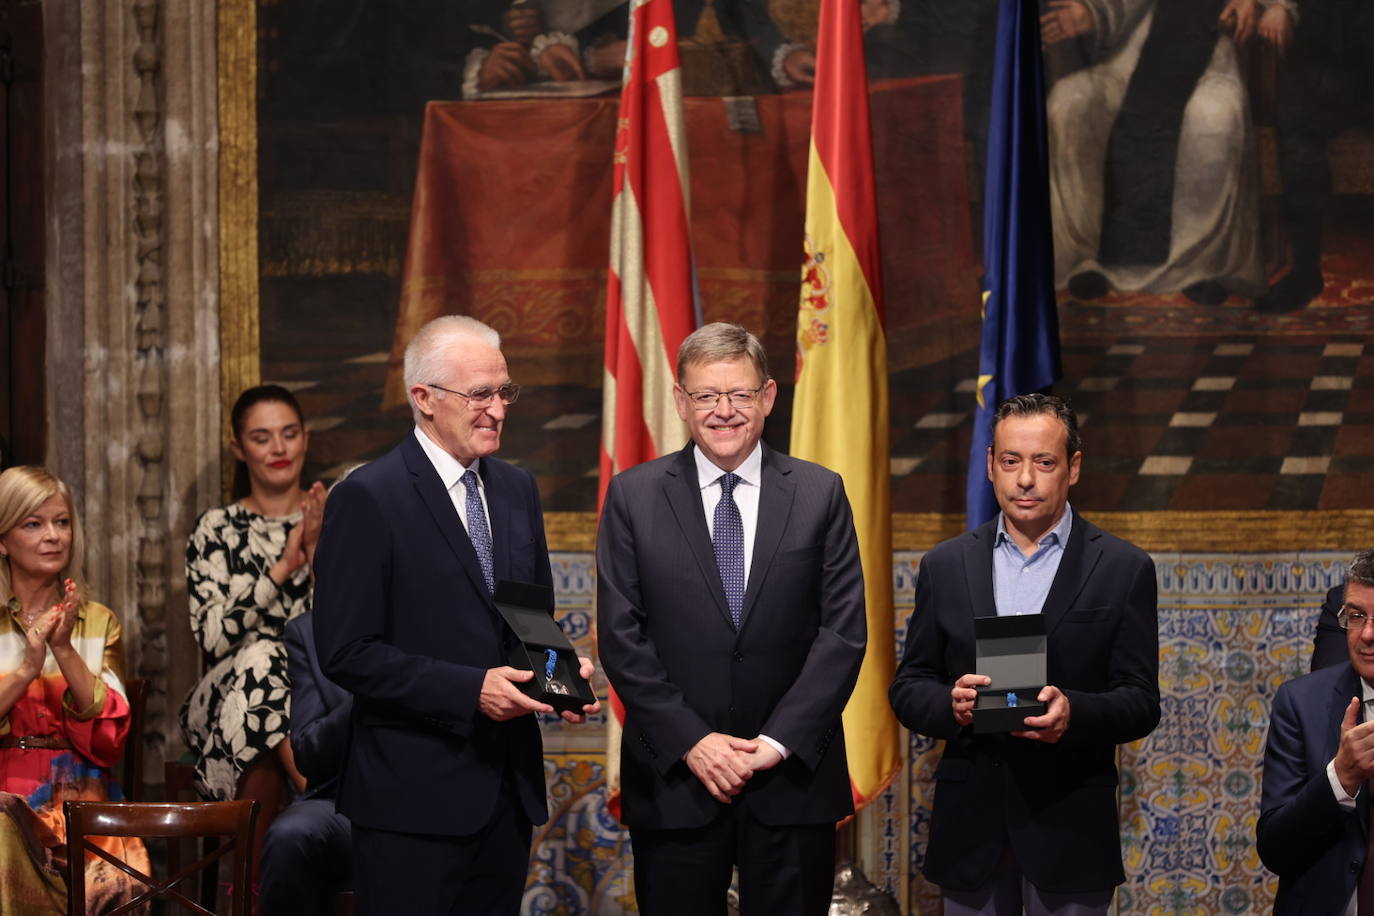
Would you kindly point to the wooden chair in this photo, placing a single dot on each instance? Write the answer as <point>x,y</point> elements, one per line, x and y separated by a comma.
<point>131,780</point>
<point>167,820</point>
<point>179,781</point>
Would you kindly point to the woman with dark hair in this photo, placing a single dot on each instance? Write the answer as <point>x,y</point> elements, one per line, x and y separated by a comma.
<point>63,714</point>
<point>247,574</point>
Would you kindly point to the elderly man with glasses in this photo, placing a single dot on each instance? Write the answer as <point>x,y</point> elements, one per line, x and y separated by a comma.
<point>445,773</point>
<point>1314,825</point>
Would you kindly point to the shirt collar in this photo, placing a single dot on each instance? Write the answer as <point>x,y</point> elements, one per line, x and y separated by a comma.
<point>751,471</point>
<point>1059,534</point>
<point>450,469</point>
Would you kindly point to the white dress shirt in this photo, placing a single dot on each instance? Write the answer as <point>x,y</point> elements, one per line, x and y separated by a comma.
<point>451,473</point>
<point>746,495</point>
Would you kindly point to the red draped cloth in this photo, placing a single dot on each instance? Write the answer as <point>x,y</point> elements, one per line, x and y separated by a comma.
<point>511,221</point>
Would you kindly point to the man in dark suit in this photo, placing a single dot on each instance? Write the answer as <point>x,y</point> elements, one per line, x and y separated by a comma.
<point>444,776</point>
<point>1329,641</point>
<point>306,852</point>
<point>1029,819</point>
<point>730,619</point>
<point>1313,830</point>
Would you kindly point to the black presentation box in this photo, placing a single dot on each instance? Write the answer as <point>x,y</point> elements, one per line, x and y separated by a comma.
<point>1011,651</point>
<point>528,611</point>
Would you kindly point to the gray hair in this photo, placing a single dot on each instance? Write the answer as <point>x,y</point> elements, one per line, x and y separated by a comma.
<point>1361,570</point>
<point>718,341</point>
<point>1030,405</point>
<point>424,362</point>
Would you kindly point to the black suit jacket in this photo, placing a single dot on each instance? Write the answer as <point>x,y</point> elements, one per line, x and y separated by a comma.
<point>1054,803</point>
<point>320,710</point>
<point>683,671</point>
<point>404,622</point>
<point>1315,846</point>
<point>1329,645</point>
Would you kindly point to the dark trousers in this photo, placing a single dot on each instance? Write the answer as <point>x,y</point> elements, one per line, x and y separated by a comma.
<point>305,855</point>
<point>482,874</point>
<point>781,869</point>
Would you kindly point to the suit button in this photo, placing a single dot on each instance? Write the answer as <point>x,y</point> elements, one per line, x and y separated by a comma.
<point>738,657</point>
<point>731,710</point>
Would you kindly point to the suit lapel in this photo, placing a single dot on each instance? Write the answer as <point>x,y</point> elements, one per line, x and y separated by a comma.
<point>978,570</point>
<point>776,491</point>
<point>684,498</point>
<point>430,490</point>
<point>1080,559</point>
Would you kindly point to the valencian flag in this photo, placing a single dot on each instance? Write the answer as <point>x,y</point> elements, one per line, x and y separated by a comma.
<point>650,291</point>
<point>840,412</point>
<point>1020,346</point>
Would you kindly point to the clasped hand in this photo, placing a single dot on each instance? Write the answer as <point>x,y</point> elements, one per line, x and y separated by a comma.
<point>500,699</point>
<point>724,763</point>
<point>52,628</point>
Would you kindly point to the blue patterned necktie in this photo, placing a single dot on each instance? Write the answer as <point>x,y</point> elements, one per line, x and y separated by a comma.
<point>728,540</point>
<point>478,531</point>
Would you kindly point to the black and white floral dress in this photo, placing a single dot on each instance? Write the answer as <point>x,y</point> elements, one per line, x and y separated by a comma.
<point>241,707</point>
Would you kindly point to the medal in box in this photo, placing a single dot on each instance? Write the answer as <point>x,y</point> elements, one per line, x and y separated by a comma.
<point>540,646</point>
<point>1011,651</point>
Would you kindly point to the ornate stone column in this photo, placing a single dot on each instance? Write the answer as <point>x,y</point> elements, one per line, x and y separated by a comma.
<point>133,364</point>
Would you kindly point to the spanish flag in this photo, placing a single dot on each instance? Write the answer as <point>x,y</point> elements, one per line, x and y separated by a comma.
<point>650,290</point>
<point>840,414</point>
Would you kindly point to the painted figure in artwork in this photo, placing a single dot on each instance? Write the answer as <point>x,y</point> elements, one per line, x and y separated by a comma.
<point>528,44</point>
<point>1153,175</point>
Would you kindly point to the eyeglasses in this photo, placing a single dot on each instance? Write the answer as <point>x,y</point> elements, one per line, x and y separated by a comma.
<point>1348,618</point>
<point>740,398</point>
<point>482,397</point>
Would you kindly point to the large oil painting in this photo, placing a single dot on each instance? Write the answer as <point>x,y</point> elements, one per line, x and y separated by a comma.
<point>1211,177</point>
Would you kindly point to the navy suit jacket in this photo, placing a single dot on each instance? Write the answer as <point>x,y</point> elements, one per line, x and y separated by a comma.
<point>404,622</point>
<point>1329,645</point>
<point>320,710</point>
<point>1054,803</point>
<point>683,671</point>
<point>1315,846</point>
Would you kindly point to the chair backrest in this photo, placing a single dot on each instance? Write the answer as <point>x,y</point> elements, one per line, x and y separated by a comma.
<point>136,692</point>
<point>170,820</point>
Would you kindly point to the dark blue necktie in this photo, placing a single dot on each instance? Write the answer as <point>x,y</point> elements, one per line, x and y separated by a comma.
<point>478,532</point>
<point>727,537</point>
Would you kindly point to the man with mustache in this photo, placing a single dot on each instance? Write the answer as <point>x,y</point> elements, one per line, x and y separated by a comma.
<point>1029,819</point>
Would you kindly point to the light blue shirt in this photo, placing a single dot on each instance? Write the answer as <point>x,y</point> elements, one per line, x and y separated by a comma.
<point>1021,583</point>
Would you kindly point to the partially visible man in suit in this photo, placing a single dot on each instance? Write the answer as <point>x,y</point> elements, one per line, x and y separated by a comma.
<point>730,618</point>
<point>1329,641</point>
<point>1313,830</point>
<point>307,850</point>
<point>444,776</point>
<point>1029,819</point>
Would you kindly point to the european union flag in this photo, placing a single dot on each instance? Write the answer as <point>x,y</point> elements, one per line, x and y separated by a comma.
<point>1020,346</point>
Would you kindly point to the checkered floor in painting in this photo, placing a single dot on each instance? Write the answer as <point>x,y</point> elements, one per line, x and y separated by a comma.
<point>1274,422</point>
<point>1260,422</point>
